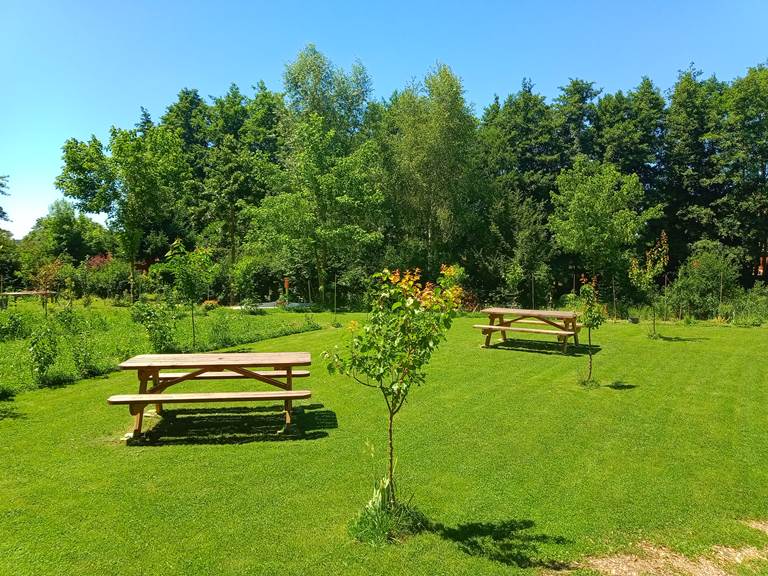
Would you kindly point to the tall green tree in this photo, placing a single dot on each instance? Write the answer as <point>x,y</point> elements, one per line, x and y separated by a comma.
<point>314,86</point>
<point>138,185</point>
<point>743,209</point>
<point>692,147</point>
<point>3,192</point>
<point>629,131</point>
<point>329,217</point>
<point>598,214</point>
<point>576,113</point>
<point>429,141</point>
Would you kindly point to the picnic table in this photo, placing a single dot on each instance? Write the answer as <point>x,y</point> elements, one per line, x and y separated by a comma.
<point>561,323</point>
<point>274,368</point>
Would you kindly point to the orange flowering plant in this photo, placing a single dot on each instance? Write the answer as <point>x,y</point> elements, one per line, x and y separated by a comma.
<point>407,322</point>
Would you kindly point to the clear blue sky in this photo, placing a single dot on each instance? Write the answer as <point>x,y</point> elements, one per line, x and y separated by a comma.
<point>72,69</point>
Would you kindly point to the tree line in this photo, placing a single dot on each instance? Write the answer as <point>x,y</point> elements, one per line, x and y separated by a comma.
<point>323,184</point>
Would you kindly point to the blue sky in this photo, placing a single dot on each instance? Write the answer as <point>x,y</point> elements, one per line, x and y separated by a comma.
<point>72,69</point>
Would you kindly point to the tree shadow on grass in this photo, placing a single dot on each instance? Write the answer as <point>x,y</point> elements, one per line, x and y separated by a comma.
<point>539,347</point>
<point>509,542</point>
<point>8,410</point>
<point>680,339</point>
<point>237,425</point>
<point>619,385</point>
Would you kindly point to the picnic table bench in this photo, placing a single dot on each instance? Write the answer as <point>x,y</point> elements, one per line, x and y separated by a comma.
<point>273,368</point>
<point>560,323</point>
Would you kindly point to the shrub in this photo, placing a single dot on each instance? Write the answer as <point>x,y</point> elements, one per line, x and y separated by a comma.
<point>13,326</point>
<point>250,306</point>
<point>43,350</point>
<point>379,522</point>
<point>84,357</point>
<point>160,323</point>
<point>750,307</point>
<point>107,277</point>
<point>209,305</point>
<point>70,320</point>
<point>707,279</point>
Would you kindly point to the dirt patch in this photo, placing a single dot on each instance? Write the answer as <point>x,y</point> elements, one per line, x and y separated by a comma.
<point>658,561</point>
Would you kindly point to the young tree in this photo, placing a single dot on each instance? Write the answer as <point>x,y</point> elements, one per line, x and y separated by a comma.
<point>406,323</point>
<point>592,315</point>
<point>644,275</point>
<point>193,274</point>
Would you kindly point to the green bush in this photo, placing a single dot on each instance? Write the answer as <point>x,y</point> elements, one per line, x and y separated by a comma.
<point>84,357</point>
<point>70,320</point>
<point>708,278</point>
<point>108,277</point>
<point>43,350</point>
<point>249,306</point>
<point>750,307</point>
<point>381,522</point>
<point>160,323</point>
<point>13,326</point>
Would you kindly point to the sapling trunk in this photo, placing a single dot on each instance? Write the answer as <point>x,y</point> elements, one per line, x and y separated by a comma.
<point>391,466</point>
<point>589,348</point>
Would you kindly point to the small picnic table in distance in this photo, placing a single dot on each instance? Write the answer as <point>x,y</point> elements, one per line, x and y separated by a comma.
<point>250,365</point>
<point>562,322</point>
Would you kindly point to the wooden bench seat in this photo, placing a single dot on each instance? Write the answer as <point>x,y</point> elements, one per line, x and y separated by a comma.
<point>526,330</point>
<point>231,375</point>
<point>137,402</point>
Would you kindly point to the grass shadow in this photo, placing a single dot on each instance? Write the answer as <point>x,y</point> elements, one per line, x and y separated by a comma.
<point>240,425</point>
<point>539,347</point>
<point>8,410</point>
<point>619,385</point>
<point>510,542</point>
<point>680,339</point>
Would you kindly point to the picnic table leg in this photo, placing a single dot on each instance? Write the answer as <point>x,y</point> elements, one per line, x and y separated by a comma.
<point>575,332</point>
<point>288,404</point>
<point>489,333</point>
<point>138,419</point>
<point>156,383</point>
<point>502,323</point>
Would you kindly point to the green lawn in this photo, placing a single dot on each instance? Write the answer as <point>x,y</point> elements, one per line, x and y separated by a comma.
<point>519,466</point>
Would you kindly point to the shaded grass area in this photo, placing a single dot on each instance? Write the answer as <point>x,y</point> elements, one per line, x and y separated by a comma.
<point>517,466</point>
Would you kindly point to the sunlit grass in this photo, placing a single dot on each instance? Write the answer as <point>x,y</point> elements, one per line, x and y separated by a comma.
<point>515,464</point>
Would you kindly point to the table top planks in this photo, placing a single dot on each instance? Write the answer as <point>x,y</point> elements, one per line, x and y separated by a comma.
<point>220,360</point>
<point>534,313</point>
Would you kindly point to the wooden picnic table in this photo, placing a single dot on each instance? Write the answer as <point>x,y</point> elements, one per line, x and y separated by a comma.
<point>561,323</point>
<point>220,366</point>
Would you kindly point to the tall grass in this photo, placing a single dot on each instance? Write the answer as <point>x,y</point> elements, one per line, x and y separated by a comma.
<point>94,340</point>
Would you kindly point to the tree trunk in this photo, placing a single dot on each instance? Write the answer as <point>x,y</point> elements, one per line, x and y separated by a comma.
<point>589,339</point>
<point>391,466</point>
<point>613,283</point>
